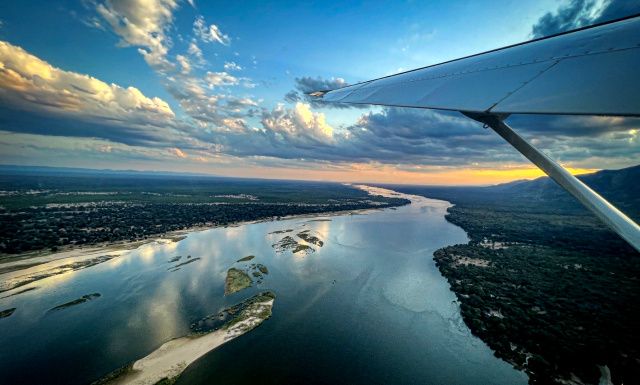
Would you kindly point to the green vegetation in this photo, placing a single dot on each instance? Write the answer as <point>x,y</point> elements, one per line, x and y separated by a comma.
<point>83,299</point>
<point>234,314</point>
<point>7,312</point>
<point>122,371</point>
<point>542,281</point>
<point>305,236</point>
<point>263,269</point>
<point>185,263</point>
<point>247,258</point>
<point>251,308</point>
<point>289,243</point>
<point>303,248</point>
<point>281,231</point>
<point>236,280</point>
<point>43,209</point>
<point>167,381</point>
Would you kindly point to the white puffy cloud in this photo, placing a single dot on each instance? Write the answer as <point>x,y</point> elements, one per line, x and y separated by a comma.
<point>28,83</point>
<point>195,51</point>
<point>215,79</point>
<point>142,23</point>
<point>298,125</point>
<point>209,34</point>
<point>185,66</point>
<point>27,80</point>
<point>232,66</point>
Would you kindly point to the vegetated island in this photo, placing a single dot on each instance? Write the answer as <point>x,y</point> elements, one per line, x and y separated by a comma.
<point>7,312</point>
<point>165,364</point>
<point>25,279</point>
<point>543,282</point>
<point>81,300</point>
<point>247,258</point>
<point>236,280</point>
<point>290,243</point>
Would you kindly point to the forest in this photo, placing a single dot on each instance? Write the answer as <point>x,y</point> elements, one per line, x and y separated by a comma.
<point>51,209</point>
<point>543,282</point>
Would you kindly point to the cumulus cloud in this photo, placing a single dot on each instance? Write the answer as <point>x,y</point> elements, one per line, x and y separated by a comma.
<point>203,93</point>
<point>195,51</point>
<point>184,64</point>
<point>232,66</point>
<point>306,84</point>
<point>298,125</point>
<point>28,83</point>
<point>142,23</point>
<point>209,34</point>
<point>580,13</point>
<point>215,79</point>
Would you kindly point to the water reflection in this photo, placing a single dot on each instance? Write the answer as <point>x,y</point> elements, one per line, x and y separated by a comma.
<point>367,306</point>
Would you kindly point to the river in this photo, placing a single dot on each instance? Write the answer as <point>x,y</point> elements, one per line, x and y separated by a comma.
<point>369,306</point>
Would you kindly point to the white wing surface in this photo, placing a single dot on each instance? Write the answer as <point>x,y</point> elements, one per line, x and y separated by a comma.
<point>589,71</point>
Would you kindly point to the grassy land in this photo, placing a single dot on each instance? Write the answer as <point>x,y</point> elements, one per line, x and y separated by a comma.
<point>236,280</point>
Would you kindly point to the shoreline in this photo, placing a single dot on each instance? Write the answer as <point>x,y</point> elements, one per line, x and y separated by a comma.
<point>167,362</point>
<point>33,261</point>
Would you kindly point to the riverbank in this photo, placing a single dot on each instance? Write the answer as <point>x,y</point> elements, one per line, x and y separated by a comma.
<point>552,293</point>
<point>369,267</point>
<point>165,364</point>
<point>35,261</point>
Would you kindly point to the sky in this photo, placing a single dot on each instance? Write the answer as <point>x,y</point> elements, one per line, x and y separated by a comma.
<point>219,88</point>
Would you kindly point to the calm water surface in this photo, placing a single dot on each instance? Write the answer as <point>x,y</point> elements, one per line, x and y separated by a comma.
<point>368,307</point>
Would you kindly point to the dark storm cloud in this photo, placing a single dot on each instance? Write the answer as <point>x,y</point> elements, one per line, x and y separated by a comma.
<point>580,13</point>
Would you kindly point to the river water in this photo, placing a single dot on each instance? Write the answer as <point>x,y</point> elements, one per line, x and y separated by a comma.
<point>369,307</point>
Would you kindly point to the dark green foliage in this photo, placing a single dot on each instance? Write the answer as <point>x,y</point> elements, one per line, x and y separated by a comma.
<point>7,312</point>
<point>566,287</point>
<point>83,299</point>
<point>247,258</point>
<point>112,207</point>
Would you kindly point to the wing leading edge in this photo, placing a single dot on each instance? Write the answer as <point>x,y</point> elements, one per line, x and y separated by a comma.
<point>590,71</point>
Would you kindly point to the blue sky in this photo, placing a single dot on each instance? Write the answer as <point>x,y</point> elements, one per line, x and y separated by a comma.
<point>211,87</point>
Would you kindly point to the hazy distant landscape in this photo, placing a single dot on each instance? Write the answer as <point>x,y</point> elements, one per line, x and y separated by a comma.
<point>48,209</point>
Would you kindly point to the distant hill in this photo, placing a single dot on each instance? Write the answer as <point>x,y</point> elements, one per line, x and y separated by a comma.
<point>620,187</point>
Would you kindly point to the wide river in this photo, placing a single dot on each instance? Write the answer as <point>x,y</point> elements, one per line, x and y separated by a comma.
<point>369,307</point>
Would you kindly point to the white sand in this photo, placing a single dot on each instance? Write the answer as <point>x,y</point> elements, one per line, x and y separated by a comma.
<point>173,357</point>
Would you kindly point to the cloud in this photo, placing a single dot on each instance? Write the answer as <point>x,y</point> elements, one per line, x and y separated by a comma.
<point>177,152</point>
<point>75,103</point>
<point>298,125</point>
<point>307,84</point>
<point>195,51</point>
<point>580,13</point>
<point>143,24</point>
<point>184,64</point>
<point>232,66</point>
<point>215,79</point>
<point>209,34</point>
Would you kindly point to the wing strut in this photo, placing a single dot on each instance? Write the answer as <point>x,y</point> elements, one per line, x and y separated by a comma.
<point>611,216</point>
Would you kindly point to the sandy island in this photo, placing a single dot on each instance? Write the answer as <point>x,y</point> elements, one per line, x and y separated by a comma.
<point>167,362</point>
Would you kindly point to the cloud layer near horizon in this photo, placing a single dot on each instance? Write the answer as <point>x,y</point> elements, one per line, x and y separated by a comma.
<point>220,120</point>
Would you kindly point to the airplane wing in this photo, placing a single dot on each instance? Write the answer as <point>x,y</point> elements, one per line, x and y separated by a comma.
<point>589,71</point>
